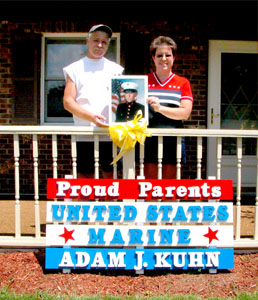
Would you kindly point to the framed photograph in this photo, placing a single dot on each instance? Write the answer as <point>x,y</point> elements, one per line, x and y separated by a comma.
<point>128,94</point>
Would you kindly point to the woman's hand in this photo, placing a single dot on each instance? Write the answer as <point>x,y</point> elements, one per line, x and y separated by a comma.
<point>177,113</point>
<point>154,102</point>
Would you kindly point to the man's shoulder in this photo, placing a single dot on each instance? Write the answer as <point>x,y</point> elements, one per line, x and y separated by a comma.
<point>75,63</point>
<point>112,64</point>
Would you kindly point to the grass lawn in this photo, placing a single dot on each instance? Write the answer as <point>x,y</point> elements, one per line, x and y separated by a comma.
<point>7,295</point>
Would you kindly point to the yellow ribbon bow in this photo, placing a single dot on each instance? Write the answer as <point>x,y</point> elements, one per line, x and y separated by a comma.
<point>126,135</point>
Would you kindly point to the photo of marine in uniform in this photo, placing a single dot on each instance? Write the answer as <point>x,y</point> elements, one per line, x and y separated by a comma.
<point>127,110</point>
<point>128,96</point>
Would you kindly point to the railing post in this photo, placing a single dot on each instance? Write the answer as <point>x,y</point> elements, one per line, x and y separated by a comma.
<point>219,156</point>
<point>256,198</point>
<point>74,155</point>
<point>238,196</point>
<point>114,153</point>
<point>17,186</point>
<point>36,185</point>
<point>54,155</point>
<point>160,156</point>
<point>179,157</point>
<point>199,157</point>
<point>96,156</point>
<point>129,164</point>
<point>141,160</point>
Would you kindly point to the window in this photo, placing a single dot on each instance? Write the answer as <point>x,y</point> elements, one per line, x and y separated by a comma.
<point>58,51</point>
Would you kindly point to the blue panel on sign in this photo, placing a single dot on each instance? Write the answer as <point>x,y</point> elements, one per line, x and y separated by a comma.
<point>137,259</point>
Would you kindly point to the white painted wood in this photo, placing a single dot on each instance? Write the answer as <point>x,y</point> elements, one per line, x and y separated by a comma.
<point>219,156</point>
<point>179,157</point>
<point>248,170</point>
<point>238,195</point>
<point>36,185</point>
<point>64,130</point>
<point>160,156</point>
<point>129,165</point>
<point>54,155</point>
<point>141,160</point>
<point>17,185</point>
<point>96,156</point>
<point>216,48</point>
<point>88,130</point>
<point>199,157</point>
<point>142,209</point>
<point>81,235</point>
<point>74,155</point>
<point>256,198</point>
<point>114,154</point>
<point>32,242</point>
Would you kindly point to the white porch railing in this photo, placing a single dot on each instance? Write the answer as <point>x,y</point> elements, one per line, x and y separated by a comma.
<point>18,239</point>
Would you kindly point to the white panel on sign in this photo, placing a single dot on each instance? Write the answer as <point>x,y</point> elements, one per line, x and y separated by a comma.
<point>101,235</point>
<point>134,212</point>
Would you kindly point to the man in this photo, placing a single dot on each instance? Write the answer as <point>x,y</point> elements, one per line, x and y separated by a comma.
<point>127,110</point>
<point>86,96</point>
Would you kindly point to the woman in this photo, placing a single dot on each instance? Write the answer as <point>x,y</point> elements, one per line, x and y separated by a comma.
<point>170,103</point>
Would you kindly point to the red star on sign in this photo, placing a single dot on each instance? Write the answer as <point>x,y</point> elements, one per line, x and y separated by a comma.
<point>67,235</point>
<point>211,235</point>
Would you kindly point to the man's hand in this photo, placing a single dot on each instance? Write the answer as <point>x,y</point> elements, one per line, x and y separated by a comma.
<point>74,108</point>
<point>99,120</point>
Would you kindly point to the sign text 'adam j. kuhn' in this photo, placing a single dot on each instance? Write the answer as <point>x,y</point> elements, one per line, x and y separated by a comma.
<point>173,224</point>
<point>138,259</point>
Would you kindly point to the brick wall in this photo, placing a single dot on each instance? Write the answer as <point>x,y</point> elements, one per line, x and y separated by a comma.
<point>6,84</point>
<point>136,34</point>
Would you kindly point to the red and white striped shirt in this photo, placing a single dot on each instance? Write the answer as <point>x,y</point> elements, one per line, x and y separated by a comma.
<point>170,93</point>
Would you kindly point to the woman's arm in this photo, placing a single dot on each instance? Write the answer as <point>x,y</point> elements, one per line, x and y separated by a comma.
<point>177,113</point>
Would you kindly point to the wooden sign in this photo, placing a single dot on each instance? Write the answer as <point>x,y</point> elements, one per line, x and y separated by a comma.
<point>170,230</point>
<point>136,259</point>
<point>135,212</point>
<point>110,235</point>
<point>165,189</point>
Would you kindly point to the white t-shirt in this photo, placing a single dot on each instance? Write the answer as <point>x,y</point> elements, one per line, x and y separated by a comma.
<point>92,78</point>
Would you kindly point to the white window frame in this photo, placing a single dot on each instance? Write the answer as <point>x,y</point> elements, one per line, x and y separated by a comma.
<point>46,35</point>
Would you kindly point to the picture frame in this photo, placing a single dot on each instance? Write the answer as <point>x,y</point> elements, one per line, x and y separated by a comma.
<point>124,106</point>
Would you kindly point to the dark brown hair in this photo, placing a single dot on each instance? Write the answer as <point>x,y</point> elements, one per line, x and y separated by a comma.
<point>163,40</point>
